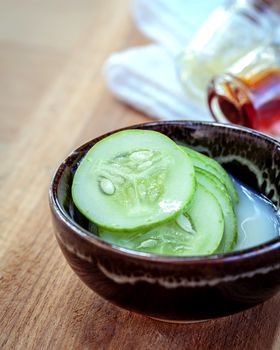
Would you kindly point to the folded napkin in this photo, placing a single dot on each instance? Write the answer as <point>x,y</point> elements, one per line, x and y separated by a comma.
<point>146,77</point>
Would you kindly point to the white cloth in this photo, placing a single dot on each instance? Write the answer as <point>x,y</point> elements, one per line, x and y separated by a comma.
<point>171,23</point>
<point>145,77</point>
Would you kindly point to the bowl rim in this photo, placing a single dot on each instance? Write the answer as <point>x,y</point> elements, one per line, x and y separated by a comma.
<point>239,255</point>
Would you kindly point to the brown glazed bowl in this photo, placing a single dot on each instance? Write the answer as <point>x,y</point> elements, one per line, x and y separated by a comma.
<point>178,289</point>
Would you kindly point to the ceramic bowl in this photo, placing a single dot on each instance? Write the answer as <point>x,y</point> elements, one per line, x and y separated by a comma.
<point>178,289</point>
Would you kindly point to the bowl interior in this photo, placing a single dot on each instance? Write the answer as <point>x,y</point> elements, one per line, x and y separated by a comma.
<point>250,157</point>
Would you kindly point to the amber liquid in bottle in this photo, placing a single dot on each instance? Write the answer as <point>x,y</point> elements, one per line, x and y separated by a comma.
<point>252,102</point>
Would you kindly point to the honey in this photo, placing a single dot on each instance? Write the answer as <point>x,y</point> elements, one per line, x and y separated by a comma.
<point>251,100</point>
<point>265,95</point>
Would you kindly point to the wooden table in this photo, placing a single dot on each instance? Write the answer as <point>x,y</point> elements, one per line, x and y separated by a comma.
<point>52,99</point>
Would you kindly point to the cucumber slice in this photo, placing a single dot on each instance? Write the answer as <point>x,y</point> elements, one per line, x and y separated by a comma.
<point>230,234</point>
<point>214,179</point>
<point>201,161</point>
<point>132,180</point>
<point>198,232</point>
<point>207,216</point>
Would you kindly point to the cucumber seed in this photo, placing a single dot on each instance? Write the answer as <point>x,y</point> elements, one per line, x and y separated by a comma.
<point>107,186</point>
<point>141,155</point>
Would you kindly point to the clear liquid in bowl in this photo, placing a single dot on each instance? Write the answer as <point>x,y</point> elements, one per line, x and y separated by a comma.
<point>258,219</point>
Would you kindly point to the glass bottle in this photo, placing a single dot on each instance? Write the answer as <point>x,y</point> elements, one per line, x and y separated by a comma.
<point>249,92</point>
<point>230,32</point>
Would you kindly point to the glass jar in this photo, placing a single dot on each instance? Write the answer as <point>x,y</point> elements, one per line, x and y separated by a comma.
<point>230,32</point>
<point>249,92</point>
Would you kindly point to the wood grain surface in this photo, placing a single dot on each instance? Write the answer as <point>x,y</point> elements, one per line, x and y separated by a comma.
<point>52,99</point>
